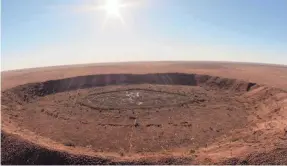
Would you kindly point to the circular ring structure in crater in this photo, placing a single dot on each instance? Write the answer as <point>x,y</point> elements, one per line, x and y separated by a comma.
<point>135,99</point>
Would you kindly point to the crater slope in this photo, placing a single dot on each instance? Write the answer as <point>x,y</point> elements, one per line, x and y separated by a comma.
<point>141,118</point>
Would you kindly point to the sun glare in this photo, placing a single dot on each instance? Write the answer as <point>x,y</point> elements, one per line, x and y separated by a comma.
<point>112,8</point>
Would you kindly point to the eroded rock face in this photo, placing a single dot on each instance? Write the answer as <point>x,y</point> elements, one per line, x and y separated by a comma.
<point>83,82</point>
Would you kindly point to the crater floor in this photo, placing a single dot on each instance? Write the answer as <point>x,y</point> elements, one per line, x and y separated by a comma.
<point>134,118</point>
<point>137,114</point>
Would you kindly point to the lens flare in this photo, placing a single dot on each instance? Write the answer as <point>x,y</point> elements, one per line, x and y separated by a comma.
<point>112,8</point>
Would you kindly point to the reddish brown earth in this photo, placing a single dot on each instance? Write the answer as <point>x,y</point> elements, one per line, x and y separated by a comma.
<point>145,113</point>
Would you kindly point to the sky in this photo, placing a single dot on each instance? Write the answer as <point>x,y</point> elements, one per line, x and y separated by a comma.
<point>38,33</point>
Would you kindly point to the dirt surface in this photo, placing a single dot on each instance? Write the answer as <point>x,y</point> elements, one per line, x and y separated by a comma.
<point>103,114</point>
<point>271,75</point>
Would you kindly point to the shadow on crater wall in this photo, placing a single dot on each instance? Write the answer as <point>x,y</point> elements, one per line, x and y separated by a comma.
<point>89,81</point>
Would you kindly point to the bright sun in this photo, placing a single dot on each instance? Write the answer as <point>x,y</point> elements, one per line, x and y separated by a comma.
<point>112,8</point>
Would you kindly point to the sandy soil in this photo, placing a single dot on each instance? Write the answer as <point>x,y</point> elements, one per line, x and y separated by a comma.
<point>160,113</point>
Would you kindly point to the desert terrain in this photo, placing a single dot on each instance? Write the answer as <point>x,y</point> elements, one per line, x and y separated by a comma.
<point>145,113</point>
